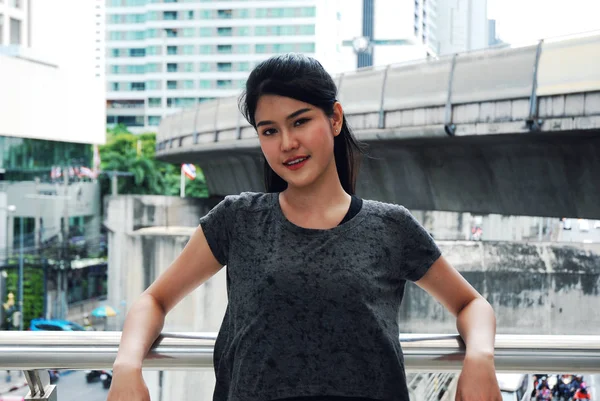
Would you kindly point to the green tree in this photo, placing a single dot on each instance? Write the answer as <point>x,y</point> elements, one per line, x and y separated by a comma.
<point>135,154</point>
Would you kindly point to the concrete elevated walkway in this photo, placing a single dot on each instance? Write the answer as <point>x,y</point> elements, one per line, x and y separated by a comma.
<point>513,131</point>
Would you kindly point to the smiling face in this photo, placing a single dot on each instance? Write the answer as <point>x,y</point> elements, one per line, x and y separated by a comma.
<point>297,138</point>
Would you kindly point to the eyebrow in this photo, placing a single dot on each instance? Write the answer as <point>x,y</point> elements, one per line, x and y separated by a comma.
<point>294,114</point>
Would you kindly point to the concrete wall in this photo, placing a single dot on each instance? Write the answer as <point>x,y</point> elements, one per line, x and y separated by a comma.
<point>543,288</point>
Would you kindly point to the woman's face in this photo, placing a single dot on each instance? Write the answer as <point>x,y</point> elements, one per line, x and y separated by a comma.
<point>297,138</point>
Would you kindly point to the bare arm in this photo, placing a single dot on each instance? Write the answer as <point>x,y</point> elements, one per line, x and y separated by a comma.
<point>475,318</point>
<point>145,319</point>
<point>476,324</point>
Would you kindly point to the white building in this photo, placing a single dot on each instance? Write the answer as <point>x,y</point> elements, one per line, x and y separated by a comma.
<point>462,25</point>
<point>164,55</point>
<point>14,23</point>
<point>411,22</point>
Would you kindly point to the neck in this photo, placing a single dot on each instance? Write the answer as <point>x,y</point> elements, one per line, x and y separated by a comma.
<point>320,195</point>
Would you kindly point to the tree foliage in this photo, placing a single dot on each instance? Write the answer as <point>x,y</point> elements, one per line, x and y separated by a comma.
<point>135,154</point>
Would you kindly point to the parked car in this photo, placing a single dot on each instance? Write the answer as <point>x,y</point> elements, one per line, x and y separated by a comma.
<point>54,325</point>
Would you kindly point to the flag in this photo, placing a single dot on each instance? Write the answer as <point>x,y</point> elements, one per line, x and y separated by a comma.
<point>86,172</point>
<point>189,170</point>
<point>55,172</point>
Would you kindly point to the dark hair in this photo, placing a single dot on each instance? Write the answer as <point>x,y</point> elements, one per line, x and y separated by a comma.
<point>302,78</point>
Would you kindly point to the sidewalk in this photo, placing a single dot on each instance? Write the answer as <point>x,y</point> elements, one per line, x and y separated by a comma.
<point>17,381</point>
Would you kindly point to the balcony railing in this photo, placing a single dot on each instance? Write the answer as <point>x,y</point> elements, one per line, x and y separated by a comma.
<point>182,351</point>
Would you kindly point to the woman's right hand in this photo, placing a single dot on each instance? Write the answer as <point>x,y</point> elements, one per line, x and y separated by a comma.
<point>128,385</point>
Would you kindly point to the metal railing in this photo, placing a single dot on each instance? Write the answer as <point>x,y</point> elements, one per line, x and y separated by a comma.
<point>184,351</point>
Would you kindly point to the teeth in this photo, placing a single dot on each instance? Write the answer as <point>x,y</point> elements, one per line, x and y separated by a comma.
<point>296,161</point>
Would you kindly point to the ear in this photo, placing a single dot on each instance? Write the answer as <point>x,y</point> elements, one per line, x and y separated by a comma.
<point>337,119</point>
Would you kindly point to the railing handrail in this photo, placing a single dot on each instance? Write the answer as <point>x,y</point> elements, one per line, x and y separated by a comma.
<point>183,351</point>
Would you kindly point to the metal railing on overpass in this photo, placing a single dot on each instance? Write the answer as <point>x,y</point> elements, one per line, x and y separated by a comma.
<point>35,352</point>
<point>184,351</point>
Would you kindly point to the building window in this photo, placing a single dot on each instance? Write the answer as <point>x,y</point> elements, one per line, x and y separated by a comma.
<point>261,31</point>
<point>137,52</point>
<point>171,33</point>
<point>261,49</point>
<point>206,49</point>
<point>307,47</point>
<point>172,50</point>
<point>188,84</point>
<point>189,32</point>
<point>205,84</point>
<point>155,102</point>
<point>154,121</point>
<point>152,16</point>
<point>243,31</point>
<point>224,67</point>
<point>242,49</point>
<point>152,67</point>
<point>242,13</point>
<point>138,86</point>
<point>224,83</point>
<point>206,31</point>
<point>224,31</point>
<point>170,15</point>
<point>114,86</point>
<point>172,85</point>
<point>152,85</point>
<point>113,52</point>
<point>16,3</point>
<point>15,31</point>
<point>224,49</point>
<point>188,67</point>
<point>225,14</point>
<point>244,66</point>
<point>171,67</point>
<point>188,49</point>
<point>308,12</point>
<point>205,67</point>
<point>190,14</point>
<point>152,50</point>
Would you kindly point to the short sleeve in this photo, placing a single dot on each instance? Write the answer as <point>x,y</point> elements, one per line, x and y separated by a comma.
<point>217,227</point>
<point>417,248</point>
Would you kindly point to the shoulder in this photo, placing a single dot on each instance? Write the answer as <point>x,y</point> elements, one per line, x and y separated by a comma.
<point>247,201</point>
<point>386,211</point>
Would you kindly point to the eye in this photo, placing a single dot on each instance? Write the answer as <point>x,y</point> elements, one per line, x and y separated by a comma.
<point>268,132</point>
<point>301,121</point>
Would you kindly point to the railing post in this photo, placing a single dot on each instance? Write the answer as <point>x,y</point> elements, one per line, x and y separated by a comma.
<point>448,126</point>
<point>40,388</point>
<point>382,100</point>
<point>533,122</point>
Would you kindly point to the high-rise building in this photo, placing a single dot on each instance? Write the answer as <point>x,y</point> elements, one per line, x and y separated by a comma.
<point>392,31</point>
<point>462,25</point>
<point>100,38</point>
<point>164,55</point>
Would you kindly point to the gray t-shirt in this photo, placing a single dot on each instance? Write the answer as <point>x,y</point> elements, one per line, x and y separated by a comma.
<point>313,312</point>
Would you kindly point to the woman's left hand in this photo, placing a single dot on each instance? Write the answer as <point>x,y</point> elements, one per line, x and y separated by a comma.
<point>477,381</point>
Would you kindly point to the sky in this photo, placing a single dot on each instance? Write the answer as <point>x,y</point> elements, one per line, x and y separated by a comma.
<point>522,21</point>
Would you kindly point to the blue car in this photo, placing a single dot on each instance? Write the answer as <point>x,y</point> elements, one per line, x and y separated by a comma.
<point>54,325</point>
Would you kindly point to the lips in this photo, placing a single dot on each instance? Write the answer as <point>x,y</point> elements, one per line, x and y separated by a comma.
<point>294,163</point>
<point>295,160</point>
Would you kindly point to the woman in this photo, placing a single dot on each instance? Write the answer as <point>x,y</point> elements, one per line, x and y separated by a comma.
<point>315,274</point>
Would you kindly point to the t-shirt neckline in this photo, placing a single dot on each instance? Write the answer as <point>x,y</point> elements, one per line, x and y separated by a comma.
<point>353,222</point>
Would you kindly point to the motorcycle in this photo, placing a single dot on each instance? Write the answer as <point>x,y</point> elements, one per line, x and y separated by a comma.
<point>106,378</point>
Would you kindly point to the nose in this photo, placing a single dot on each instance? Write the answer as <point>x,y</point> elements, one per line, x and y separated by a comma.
<point>288,141</point>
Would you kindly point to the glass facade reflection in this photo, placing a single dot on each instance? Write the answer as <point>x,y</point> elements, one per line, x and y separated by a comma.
<point>23,159</point>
